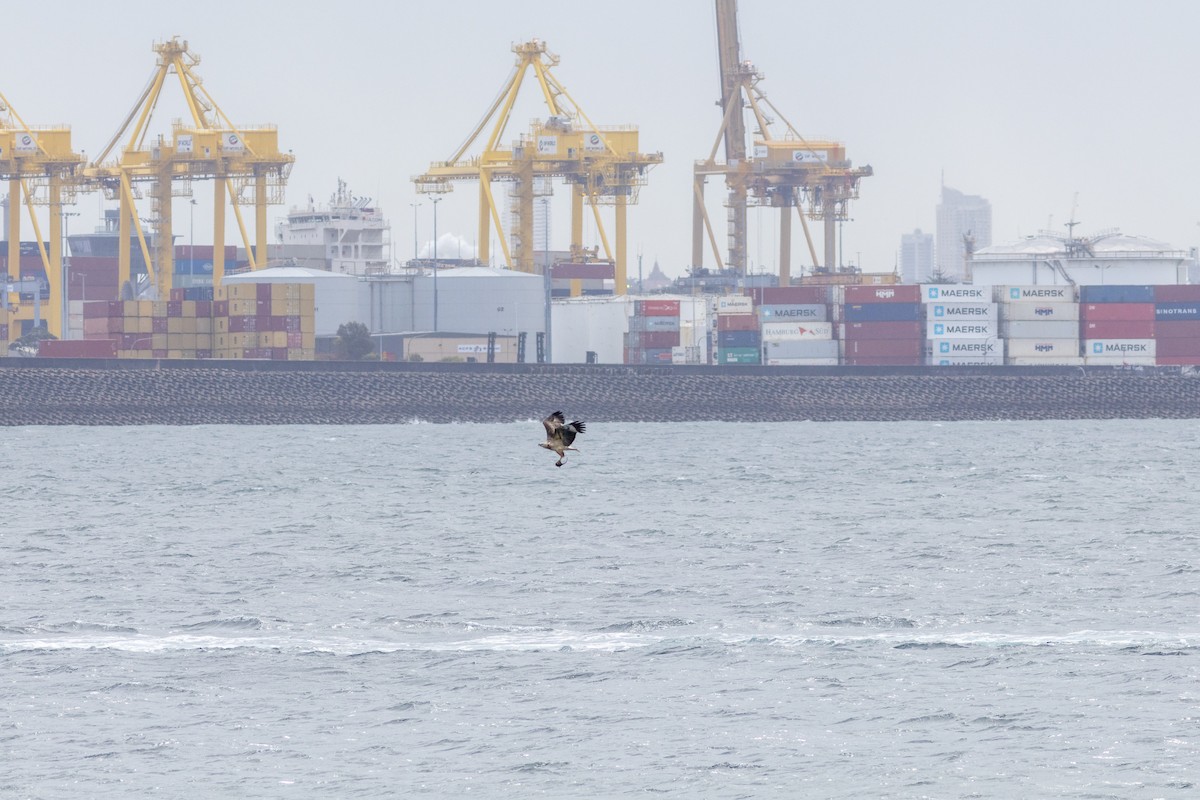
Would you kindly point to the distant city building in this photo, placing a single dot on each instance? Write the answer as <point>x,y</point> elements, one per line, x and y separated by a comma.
<point>961,218</point>
<point>916,257</point>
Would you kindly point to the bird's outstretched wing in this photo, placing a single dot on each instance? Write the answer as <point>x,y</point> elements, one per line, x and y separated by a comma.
<point>569,431</point>
<point>553,423</point>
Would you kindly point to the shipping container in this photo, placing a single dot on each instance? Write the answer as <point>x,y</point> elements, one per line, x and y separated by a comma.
<point>1117,312</point>
<point>1177,347</point>
<point>1034,294</point>
<point>796,330</point>
<point>735,339</point>
<point>935,329</point>
<point>1177,311</point>
<point>1118,347</point>
<point>1119,361</point>
<point>1045,361</point>
<point>956,292</point>
<point>855,295</point>
<point>77,348</point>
<point>652,323</point>
<point>961,311</point>
<point>967,347</point>
<point>1040,329</point>
<point>1030,312</point>
<point>802,362</point>
<point>884,361</point>
<point>789,295</point>
<point>883,347</point>
<point>1177,361</point>
<point>802,348</point>
<point>656,308</point>
<point>1116,294</point>
<point>1041,348</point>
<point>637,339</point>
<point>1183,293</point>
<point>738,355</point>
<point>965,361</point>
<point>735,304</point>
<point>737,322</point>
<point>794,313</point>
<point>1116,330</point>
<point>882,312</point>
<point>1177,329</point>
<point>881,330</point>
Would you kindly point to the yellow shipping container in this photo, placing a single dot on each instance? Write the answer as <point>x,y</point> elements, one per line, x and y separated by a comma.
<point>160,308</point>
<point>130,308</point>
<point>308,291</point>
<point>158,341</point>
<point>286,308</point>
<point>204,324</point>
<point>174,324</point>
<point>189,309</point>
<point>243,291</point>
<point>144,325</point>
<point>308,324</point>
<point>263,339</point>
<point>220,324</point>
<point>179,354</point>
<point>189,324</point>
<point>145,308</point>
<point>308,341</point>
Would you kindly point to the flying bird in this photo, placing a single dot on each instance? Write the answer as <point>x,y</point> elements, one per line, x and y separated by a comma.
<point>560,434</point>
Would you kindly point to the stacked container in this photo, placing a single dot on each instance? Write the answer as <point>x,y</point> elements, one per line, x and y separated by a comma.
<point>1116,325</point>
<point>151,328</point>
<point>1040,325</point>
<point>961,326</point>
<point>881,325</point>
<point>653,332</point>
<point>738,338</point>
<point>1177,325</point>
<point>795,326</point>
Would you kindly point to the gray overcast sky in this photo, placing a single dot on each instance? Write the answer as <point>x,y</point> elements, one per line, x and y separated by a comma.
<point>1025,103</point>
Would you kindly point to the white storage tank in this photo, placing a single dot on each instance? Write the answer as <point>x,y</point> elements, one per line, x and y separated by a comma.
<point>1109,257</point>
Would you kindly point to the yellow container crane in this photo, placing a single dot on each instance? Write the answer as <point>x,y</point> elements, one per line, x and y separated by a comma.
<point>601,164</point>
<point>40,168</point>
<point>784,173</point>
<point>244,163</point>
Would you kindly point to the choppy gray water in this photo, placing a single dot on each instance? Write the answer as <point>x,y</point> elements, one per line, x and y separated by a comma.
<point>693,610</point>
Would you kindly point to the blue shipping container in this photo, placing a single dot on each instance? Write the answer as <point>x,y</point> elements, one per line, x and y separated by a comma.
<point>883,312</point>
<point>1177,311</point>
<point>1116,294</point>
<point>738,339</point>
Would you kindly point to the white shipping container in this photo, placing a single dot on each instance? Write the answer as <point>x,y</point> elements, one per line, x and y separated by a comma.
<point>1040,329</point>
<point>1039,294</point>
<point>1118,348</point>
<point>1118,361</point>
<point>956,292</point>
<point>1062,312</point>
<point>955,329</point>
<point>796,330</point>
<point>962,311</point>
<point>1042,348</point>
<point>735,304</point>
<point>965,361</point>
<point>1047,361</point>
<point>973,348</point>
<point>802,362</point>
<point>801,348</point>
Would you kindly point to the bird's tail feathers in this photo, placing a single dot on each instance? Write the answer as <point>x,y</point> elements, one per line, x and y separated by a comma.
<point>578,426</point>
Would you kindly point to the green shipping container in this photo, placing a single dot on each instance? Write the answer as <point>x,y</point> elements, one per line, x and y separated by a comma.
<point>738,355</point>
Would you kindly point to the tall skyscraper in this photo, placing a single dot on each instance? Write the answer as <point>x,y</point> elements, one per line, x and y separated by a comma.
<point>916,257</point>
<point>960,217</point>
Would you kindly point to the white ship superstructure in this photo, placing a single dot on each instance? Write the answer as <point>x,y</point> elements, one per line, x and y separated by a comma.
<point>349,236</point>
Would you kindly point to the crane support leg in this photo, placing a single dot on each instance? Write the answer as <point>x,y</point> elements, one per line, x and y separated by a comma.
<point>785,242</point>
<point>576,234</point>
<point>831,237</point>
<point>218,231</point>
<point>620,283</point>
<point>54,319</point>
<point>484,250</point>
<point>260,221</point>
<point>124,250</point>
<point>13,229</point>
<point>698,221</point>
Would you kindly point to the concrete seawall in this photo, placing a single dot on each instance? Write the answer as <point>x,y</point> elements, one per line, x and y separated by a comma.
<point>59,392</point>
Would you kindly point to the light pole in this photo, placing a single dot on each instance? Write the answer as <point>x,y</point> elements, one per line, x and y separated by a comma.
<point>435,201</point>
<point>192,243</point>
<point>546,281</point>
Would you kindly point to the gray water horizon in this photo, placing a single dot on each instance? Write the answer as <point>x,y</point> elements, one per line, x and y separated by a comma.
<point>726,610</point>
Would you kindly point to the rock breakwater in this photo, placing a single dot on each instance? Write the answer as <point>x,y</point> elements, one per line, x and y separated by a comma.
<point>58,392</point>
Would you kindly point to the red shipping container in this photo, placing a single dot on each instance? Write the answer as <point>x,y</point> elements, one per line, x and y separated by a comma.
<point>1177,329</point>
<point>659,308</point>
<point>1117,329</point>
<point>263,292</point>
<point>883,361</point>
<point>737,322</point>
<point>1177,347</point>
<point>177,295</point>
<point>1117,312</point>
<point>789,295</point>
<point>295,339</point>
<point>95,310</point>
<point>158,324</point>
<point>220,308</point>
<point>203,308</point>
<point>1177,361</point>
<point>907,293</point>
<point>889,348</point>
<point>158,353</point>
<point>116,308</point>
<point>174,308</point>
<point>78,348</point>
<point>1189,293</point>
<point>882,330</point>
<point>652,340</point>
<point>243,324</point>
<point>291,324</point>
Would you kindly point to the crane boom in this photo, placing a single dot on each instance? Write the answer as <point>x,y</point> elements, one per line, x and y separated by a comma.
<point>729,55</point>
